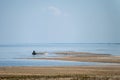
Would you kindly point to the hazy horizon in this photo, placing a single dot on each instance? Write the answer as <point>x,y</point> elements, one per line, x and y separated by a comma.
<point>49,43</point>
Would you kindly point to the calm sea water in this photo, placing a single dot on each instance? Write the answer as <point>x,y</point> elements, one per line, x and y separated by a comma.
<point>8,53</point>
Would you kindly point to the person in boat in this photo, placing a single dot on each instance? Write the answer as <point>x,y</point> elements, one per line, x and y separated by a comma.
<point>33,53</point>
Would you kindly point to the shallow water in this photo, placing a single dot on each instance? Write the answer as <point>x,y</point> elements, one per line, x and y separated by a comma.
<point>8,53</point>
<point>30,62</point>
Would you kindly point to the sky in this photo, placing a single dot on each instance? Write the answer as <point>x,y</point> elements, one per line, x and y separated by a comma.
<point>59,21</point>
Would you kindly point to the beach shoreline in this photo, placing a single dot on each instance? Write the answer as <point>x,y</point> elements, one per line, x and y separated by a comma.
<point>94,72</point>
<point>60,73</point>
<point>82,57</point>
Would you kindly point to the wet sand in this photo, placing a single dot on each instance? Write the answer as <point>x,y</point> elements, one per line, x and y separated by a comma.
<point>84,57</point>
<point>93,70</point>
<point>87,59</point>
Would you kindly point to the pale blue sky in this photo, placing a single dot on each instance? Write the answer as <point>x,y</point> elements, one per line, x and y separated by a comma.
<point>59,21</point>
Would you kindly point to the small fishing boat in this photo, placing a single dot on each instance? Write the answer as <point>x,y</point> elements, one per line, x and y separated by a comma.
<point>41,53</point>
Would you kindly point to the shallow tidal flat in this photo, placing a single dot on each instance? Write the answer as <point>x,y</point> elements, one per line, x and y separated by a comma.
<point>95,72</point>
<point>84,57</point>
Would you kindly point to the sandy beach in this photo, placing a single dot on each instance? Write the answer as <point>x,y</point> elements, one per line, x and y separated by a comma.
<point>104,72</point>
<point>60,73</point>
<point>84,57</point>
<point>87,59</point>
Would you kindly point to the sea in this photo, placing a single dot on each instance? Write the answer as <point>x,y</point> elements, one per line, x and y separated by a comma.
<point>17,54</point>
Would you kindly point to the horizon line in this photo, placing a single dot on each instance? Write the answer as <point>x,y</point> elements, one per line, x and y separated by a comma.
<point>52,43</point>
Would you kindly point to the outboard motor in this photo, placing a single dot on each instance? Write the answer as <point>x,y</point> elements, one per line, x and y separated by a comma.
<point>33,53</point>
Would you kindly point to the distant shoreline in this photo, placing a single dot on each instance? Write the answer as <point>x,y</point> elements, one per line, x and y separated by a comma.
<point>37,44</point>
